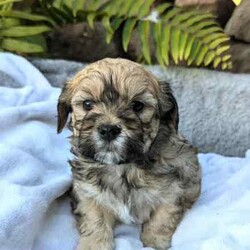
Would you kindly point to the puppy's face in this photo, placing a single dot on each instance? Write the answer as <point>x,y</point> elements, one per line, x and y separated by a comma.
<point>116,110</point>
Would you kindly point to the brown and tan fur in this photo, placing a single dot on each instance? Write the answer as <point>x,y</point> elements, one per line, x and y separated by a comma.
<point>149,174</point>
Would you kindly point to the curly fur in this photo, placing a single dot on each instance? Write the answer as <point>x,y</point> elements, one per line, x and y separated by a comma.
<point>148,175</point>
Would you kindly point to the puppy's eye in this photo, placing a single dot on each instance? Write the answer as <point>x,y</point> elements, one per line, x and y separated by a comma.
<point>137,106</point>
<point>87,105</point>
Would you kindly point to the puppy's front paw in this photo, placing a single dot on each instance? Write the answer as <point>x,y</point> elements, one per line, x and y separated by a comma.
<point>93,243</point>
<point>153,239</point>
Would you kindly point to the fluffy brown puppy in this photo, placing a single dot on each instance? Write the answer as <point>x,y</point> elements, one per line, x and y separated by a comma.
<point>131,165</point>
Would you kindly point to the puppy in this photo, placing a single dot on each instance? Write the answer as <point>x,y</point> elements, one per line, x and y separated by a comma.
<point>131,165</point>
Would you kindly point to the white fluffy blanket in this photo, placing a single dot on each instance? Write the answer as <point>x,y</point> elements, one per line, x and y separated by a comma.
<point>35,212</point>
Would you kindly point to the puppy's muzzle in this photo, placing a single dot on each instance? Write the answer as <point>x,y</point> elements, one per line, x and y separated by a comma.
<point>109,132</point>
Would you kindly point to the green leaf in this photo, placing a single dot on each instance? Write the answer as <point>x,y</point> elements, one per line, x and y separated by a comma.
<point>109,37</point>
<point>7,5</point>
<point>74,7</point>
<point>144,29</point>
<point>197,19</point>
<point>3,2</point>
<point>36,39</point>
<point>77,5</point>
<point>92,5</point>
<point>162,7</point>
<point>182,46</point>
<point>203,25</point>
<point>157,28</point>
<point>91,18</point>
<point>226,58</point>
<point>201,55</point>
<point>9,22</point>
<point>46,7</point>
<point>124,8</point>
<point>224,66</point>
<point>165,44</point>
<point>218,42</point>
<point>127,31</point>
<point>115,24</point>
<point>115,8</point>
<point>182,17</point>
<point>222,49</point>
<point>68,12</point>
<point>217,61</point>
<point>56,17</point>
<point>61,15</point>
<point>22,46</point>
<point>27,16</point>
<point>209,31</point>
<point>109,8</point>
<point>188,47</point>
<point>229,65</point>
<point>175,36</point>
<point>135,8</point>
<point>209,57</point>
<point>194,51</point>
<point>212,37</point>
<point>170,14</point>
<point>107,26</point>
<point>59,3</point>
<point>59,10</point>
<point>21,31</point>
<point>145,9</point>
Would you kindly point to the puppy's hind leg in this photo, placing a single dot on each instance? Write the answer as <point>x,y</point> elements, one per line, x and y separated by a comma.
<point>158,231</point>
<point>95,225</point>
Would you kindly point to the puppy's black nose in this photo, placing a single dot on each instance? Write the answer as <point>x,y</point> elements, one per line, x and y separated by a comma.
<point>109,132</point>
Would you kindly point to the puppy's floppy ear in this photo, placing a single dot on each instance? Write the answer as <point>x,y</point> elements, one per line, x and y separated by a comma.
<point>63,109</point>
<point>169,114</point>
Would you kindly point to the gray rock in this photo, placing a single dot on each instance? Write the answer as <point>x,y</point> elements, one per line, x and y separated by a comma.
<point>239,24</point>
<point>80,42</point>
<point>240,57</point>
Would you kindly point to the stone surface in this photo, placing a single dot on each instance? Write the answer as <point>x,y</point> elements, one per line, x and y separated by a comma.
<point>240,57</point>
<point>81,43</point>
<point>239,24</point>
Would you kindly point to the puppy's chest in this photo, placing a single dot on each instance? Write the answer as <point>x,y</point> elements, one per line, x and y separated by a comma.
<point>130,201</point>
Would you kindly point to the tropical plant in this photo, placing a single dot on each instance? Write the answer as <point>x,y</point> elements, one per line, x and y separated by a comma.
<point>21,32</point>
<point>178,34</point>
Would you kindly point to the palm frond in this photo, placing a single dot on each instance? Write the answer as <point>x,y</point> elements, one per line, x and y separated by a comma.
<point>32,44</point>
<point>179,35</point>
<point>16,36</point>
